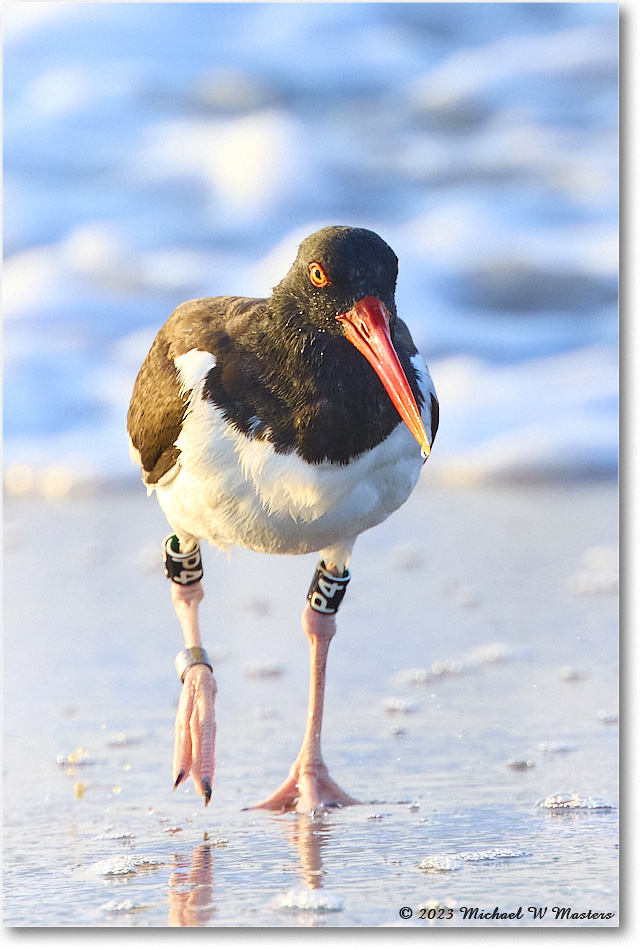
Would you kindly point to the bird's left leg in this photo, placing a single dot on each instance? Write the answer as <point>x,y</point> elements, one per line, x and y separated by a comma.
<point>195,727</point>
<point>308,786</point>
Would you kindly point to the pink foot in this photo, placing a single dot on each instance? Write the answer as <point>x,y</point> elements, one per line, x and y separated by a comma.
<point>307,789</point>
<point>195,731</point>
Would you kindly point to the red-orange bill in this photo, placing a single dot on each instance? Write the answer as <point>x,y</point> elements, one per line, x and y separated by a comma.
<point>367,327</point>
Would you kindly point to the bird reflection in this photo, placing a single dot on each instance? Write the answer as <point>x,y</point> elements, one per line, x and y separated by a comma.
<point>190,889</point>
<point>191,883</point>
<point>309,834</point>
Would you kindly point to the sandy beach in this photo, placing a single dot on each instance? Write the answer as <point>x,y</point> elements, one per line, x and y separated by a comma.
<point>473,679</point>
<point>158,152</point>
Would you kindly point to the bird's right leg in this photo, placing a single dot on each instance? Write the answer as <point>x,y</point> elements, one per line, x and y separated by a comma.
<point>195,727</point>
<point>308,786</point>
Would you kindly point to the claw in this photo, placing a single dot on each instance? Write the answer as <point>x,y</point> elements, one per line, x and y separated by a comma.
<point>207,791</point>
<point>179,778</point>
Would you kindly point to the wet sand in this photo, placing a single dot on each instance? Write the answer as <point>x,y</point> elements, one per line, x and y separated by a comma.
<point>474,675</point>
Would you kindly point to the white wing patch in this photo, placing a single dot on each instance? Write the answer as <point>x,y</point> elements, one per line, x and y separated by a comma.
<point>193,367</point>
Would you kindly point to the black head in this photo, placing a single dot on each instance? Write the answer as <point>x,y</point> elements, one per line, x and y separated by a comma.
<point>338,301</point>
<point>334,268</point>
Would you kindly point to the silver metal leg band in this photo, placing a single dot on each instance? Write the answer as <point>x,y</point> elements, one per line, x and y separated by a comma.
<point>327,590</point>
<point>190,657</point>
<point>183,569</point>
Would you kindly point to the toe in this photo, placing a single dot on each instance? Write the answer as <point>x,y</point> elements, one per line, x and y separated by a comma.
<point>202,729</point>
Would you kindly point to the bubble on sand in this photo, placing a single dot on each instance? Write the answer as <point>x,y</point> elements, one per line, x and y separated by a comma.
<point>400,706</point>
<point>571,801</point>
<point>79,756</point>
<point>442,862</point>
<point>266,712</point>
<point>466,596</point>
<point>110,835</point>
<point>569,674</point>
<point>449,668</point>
<point>455,862</point>
<point>122,739</point>
<point>414,677</point>
<point>122,907</point>
<point>494,854</point>
<point>598,574</point>
<point>126,864</point>
<point>556,748</point>
<point>472,661</point>
<point>463,594</point>
<point>317,901</point>
<point>264,671</point>
<point>490,653</point>
<point>407,557</point>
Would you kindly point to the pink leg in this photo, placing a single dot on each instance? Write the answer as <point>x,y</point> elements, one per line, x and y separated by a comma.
<point>308,786</point>
<point>195,728</point>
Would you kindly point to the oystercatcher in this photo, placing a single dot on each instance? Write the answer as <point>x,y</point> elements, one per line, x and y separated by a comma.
<point>285,425</point>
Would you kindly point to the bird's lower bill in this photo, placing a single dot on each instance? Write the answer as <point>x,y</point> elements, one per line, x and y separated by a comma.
<point>367,326</point>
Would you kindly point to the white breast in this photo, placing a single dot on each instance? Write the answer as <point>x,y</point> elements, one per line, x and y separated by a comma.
<point>231,489</point>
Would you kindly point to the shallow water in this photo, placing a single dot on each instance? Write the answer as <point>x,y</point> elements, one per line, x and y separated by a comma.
<point>474,676</point>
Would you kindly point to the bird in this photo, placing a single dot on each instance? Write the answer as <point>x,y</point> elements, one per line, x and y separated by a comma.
<point>285,425</point>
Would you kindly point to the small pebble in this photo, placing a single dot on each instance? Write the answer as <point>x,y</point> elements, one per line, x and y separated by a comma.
<point>395,706</point>
<point>570,675</point>
<point>264,671</point>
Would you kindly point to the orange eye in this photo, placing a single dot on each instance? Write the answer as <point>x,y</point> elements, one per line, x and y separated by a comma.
<point>318,275</point>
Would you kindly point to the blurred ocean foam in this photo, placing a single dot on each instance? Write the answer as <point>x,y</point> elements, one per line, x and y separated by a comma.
<point>158,152</point>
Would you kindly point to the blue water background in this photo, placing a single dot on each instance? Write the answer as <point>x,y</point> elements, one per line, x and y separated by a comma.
<point>158,152</point>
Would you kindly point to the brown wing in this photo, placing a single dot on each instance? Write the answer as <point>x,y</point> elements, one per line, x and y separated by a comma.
<point>157,408</point>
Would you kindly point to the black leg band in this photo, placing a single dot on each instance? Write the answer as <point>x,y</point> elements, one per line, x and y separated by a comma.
<point>181,568</point>
<point>327,590</point>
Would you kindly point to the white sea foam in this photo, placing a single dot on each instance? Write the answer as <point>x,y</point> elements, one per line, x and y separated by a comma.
<point>126,864</point>
<point>455,862</point>
<point>129,187</point>
<point>571,801</point>
<point>313,901</point>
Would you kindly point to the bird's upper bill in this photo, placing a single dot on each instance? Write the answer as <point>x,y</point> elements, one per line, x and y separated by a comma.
<point>367,326</point>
